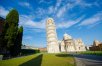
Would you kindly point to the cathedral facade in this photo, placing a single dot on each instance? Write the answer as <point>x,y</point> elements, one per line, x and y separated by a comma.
<point>68,44</point>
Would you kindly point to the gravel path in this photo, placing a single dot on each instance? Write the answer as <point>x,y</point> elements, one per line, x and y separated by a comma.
<point>88,60</point>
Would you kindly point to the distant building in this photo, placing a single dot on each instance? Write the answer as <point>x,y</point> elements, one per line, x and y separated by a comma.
<point>2,20</point>
<point>96,43</point>
<point>97,46</point>
<point>43,49</point>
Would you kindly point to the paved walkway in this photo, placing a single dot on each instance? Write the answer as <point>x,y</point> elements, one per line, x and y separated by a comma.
<point>88,60</point>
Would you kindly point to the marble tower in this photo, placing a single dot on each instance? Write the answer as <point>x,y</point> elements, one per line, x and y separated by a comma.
<point>52,41</point>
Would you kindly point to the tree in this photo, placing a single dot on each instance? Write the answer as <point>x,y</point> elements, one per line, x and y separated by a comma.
<point>18,42</point>
<point>11,36</point>
<point>12,20</point>
<point>19,38</point>
<point>3,41</point>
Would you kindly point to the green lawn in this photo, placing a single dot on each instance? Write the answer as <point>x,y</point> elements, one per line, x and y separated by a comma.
<point>40,60</point>
<point>57,60</point>
<point>17,61</point>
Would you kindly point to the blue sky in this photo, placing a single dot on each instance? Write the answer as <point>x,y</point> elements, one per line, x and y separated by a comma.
<point>78,18</point>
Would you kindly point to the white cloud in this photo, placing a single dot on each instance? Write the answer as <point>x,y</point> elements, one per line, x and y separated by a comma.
<point>69,5</point>
<point>27,21</point>
<point>93,25</point>
<point>61,11</point>
<point>92,20</point>
<point>83,4</point>
<point>26,4</point>
<point>65,8</point>
<point>50,10</point>
<point>41,12</point>
<point>27,37</point>
<point>39,30</point>
<point>45,1</point>
<point>57,5</point>
<point>3,11</point>
<point>67,24</point>
<point>34,29</point>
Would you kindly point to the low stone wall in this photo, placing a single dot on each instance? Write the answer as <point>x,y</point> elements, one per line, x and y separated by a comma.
<point>1,57</point>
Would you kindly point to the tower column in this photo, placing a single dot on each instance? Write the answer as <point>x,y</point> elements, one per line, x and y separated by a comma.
<point>52,42</point>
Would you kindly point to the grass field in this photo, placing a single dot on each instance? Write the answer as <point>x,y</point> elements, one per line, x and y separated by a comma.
<point>57,60</point>
<point>40,60</point>
<point>17,61</point>
<point>99,53</point>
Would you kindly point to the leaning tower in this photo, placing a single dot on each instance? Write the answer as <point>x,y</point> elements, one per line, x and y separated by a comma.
<point>52,42</point>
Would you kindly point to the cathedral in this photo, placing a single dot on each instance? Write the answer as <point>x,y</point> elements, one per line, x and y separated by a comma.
<point>68,44</point>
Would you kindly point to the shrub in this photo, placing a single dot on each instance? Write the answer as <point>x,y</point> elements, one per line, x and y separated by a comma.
<point>29,51</point>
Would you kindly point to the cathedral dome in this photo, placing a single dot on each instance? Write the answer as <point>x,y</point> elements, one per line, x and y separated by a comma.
<point>66,36</point>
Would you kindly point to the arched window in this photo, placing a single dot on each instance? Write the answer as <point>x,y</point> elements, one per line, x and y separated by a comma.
<point>79,48</point>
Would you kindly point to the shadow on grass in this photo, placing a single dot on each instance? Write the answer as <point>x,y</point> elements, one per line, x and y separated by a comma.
<point>34,62</point>
<point>63,55</point>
